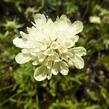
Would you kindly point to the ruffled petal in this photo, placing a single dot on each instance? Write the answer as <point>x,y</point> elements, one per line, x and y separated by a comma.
<point>63,68</point>
<point>41,57</point>
<point>77,27</point>
<point>64,19</point>
<point>71,42</point>
<point>55,69</point>
<point>40,73</point>
<point>80,51</point>
<point>40,20</point>
<point>48,64</point>
<point>78,61</point>
<point>35,61</point>
<point>22,58</point>
<point>19,42</point>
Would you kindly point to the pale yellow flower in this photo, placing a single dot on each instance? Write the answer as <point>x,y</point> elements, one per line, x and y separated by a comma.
<point>50,45</point>
<point>95,19</point>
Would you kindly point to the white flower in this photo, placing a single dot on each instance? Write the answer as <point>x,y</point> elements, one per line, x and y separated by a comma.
<point>95,19</point>
<point>50,45</point>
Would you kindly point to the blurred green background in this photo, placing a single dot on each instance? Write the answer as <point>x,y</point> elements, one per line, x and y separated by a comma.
<point>81,89</point>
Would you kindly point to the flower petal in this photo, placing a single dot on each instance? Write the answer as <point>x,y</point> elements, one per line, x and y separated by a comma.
<point>35,61</point>
<point>41,57</point>
<point>40,73</point>
<point>22,58</point>
<point>48,64</point>
<point>80,51</point>
<point>71,42</point>
<point>40,20</point>
<point>55,69</point>
<point>19,42</point>
<point>78,61</point>
<point>77,27</point>
<point>63,68</point>
<point>63,18</point>
<point>24,35</point>
<point>49,76</point>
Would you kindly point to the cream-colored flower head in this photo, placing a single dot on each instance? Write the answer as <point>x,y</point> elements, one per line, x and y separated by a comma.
<point>51,46</point>
<point>95,19</point>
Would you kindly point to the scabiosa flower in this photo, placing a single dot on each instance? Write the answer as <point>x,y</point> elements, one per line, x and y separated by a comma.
<point>95,19</point>
<point>51,46</point>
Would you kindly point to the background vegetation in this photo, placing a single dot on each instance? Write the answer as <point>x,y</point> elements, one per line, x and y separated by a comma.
<point>81,89</point>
